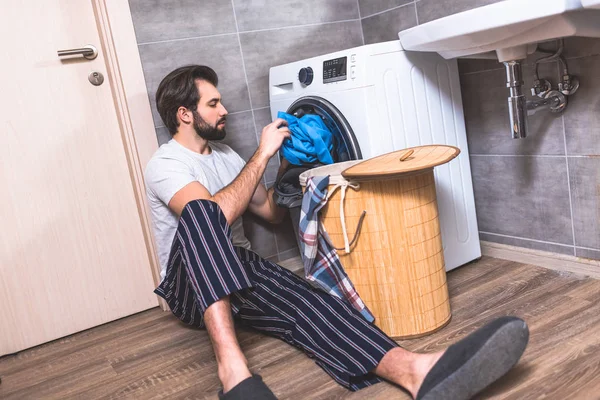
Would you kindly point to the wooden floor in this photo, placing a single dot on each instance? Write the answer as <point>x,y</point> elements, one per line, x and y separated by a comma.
<point>152,356</point>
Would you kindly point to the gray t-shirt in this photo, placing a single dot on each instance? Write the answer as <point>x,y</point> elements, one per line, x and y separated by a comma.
<point>174,166</point>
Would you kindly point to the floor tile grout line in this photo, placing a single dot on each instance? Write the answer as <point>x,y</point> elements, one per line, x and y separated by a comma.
<point>186,38</point>
<point>569,182</point>
<point>389,9</point>
<point>238,32</point>
<point>521,155</point>
<point>530,155</point>
<point>252,110</point>
<point>301,26</point>
<point>259,108</point>
<point>483,70</point>
<point>245,76</point>
<point>527,64</point>
<point>416,12</point>
<point>540,241</point>
<point>243,62</point>
<point>587,248</point>
<point>362,32</point>
<point>527,239</point>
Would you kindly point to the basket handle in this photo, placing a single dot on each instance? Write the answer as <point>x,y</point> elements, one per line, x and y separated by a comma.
<point>406,154</point>
<point>358,226</point>
<point>344,185</point>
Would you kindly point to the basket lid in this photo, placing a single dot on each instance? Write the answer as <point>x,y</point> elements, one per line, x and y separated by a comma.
<point>402,162</point>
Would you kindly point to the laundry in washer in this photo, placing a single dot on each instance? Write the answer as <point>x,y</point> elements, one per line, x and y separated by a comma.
<point>311,141</point>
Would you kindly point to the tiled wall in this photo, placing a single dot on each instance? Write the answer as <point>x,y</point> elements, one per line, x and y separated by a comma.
<point>383,19</point>
<point>542,192</point>
<point>241,39</point>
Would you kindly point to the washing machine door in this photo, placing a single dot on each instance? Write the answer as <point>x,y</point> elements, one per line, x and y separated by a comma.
<point>346,146</point>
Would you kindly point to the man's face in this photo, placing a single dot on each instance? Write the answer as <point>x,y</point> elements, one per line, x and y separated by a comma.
<point>210,115</point>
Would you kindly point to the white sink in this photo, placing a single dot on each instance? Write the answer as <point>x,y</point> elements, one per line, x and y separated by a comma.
<point>591,3</point>
<point>507,28</point>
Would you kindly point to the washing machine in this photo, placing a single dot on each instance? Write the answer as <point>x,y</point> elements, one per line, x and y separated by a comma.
<point>379,98</point>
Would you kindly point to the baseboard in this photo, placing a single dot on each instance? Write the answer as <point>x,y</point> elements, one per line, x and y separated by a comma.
<point>546,259</point>
<point>557,262</point>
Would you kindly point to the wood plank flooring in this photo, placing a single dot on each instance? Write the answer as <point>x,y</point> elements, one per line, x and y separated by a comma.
<point>152,356</point>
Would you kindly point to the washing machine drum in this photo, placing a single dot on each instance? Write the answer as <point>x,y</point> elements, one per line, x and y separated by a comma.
<point>288,192</point>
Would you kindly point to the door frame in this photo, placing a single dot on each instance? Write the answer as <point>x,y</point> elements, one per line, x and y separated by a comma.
<point>126,77</point>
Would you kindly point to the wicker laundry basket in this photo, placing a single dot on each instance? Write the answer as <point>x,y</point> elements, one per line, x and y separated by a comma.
<point>396,262</point>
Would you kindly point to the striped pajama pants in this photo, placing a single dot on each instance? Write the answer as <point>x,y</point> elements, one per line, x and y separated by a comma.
<point>204,267</point>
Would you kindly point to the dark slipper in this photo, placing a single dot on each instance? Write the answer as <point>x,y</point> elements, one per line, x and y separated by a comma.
<point>473,363</point>
<point>252,388</point>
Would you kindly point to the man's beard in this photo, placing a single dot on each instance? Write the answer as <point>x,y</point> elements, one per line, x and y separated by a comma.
<point>207,131</point>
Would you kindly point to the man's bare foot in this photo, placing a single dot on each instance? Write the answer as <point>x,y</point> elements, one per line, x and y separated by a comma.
<point>232,374</point>
<point>406,368</point>
<point>423,363</point>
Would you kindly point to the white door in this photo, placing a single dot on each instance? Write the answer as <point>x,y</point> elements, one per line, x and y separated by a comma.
<point>72,249</point>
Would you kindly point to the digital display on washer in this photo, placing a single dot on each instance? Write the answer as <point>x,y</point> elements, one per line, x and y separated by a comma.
<point>335,70</point>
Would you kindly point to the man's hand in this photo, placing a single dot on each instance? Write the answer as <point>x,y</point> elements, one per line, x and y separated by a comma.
<point>272,137</point>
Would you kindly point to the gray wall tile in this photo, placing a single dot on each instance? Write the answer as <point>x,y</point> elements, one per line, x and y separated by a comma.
<point>370,7</point>
<point>585,187</point>
<point>291,253</point>
<point>526,197</point>
<point>291,44</point>
<point>163,135</point>
<point>581,47</point>
<point>241,135</point>
<point>281,13</point>
<point>586,253</point>
<point>467,65</point>
<point>582,117</point>
<point>260,234</point>
<point>384,27</point>
<point>528,244</point>
<point>156,20</point>
<point>428,10</point>
<point>485,105</point>
<point>284,233</point>
<point>223,55</point>
<point>262,116</point>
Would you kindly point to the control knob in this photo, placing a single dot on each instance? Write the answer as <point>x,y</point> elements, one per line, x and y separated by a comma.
<point>305,76</point>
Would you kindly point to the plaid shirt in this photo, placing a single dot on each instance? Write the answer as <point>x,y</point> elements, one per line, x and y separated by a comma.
<point>321,262</point>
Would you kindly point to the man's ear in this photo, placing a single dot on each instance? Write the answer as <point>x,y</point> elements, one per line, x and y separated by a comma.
<point>185,115</point>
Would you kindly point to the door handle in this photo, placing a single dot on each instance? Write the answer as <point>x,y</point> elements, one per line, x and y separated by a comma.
<point>88,51</point>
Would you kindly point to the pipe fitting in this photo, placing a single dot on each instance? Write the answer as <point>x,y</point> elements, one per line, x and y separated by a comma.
<point>517,103</point>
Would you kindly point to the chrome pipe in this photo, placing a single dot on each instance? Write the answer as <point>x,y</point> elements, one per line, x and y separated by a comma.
<point>517,103</point>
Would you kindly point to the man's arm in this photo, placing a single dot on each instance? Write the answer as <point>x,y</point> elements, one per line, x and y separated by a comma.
<point>234,198</point>
<point>263,205</point>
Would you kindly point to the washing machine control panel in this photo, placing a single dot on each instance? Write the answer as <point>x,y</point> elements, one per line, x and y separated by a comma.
<point>335,70</point>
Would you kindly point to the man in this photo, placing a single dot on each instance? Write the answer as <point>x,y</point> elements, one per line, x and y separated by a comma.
<point>198,189</point>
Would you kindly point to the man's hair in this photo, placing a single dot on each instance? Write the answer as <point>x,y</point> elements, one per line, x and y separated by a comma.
<point>178,89</point>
